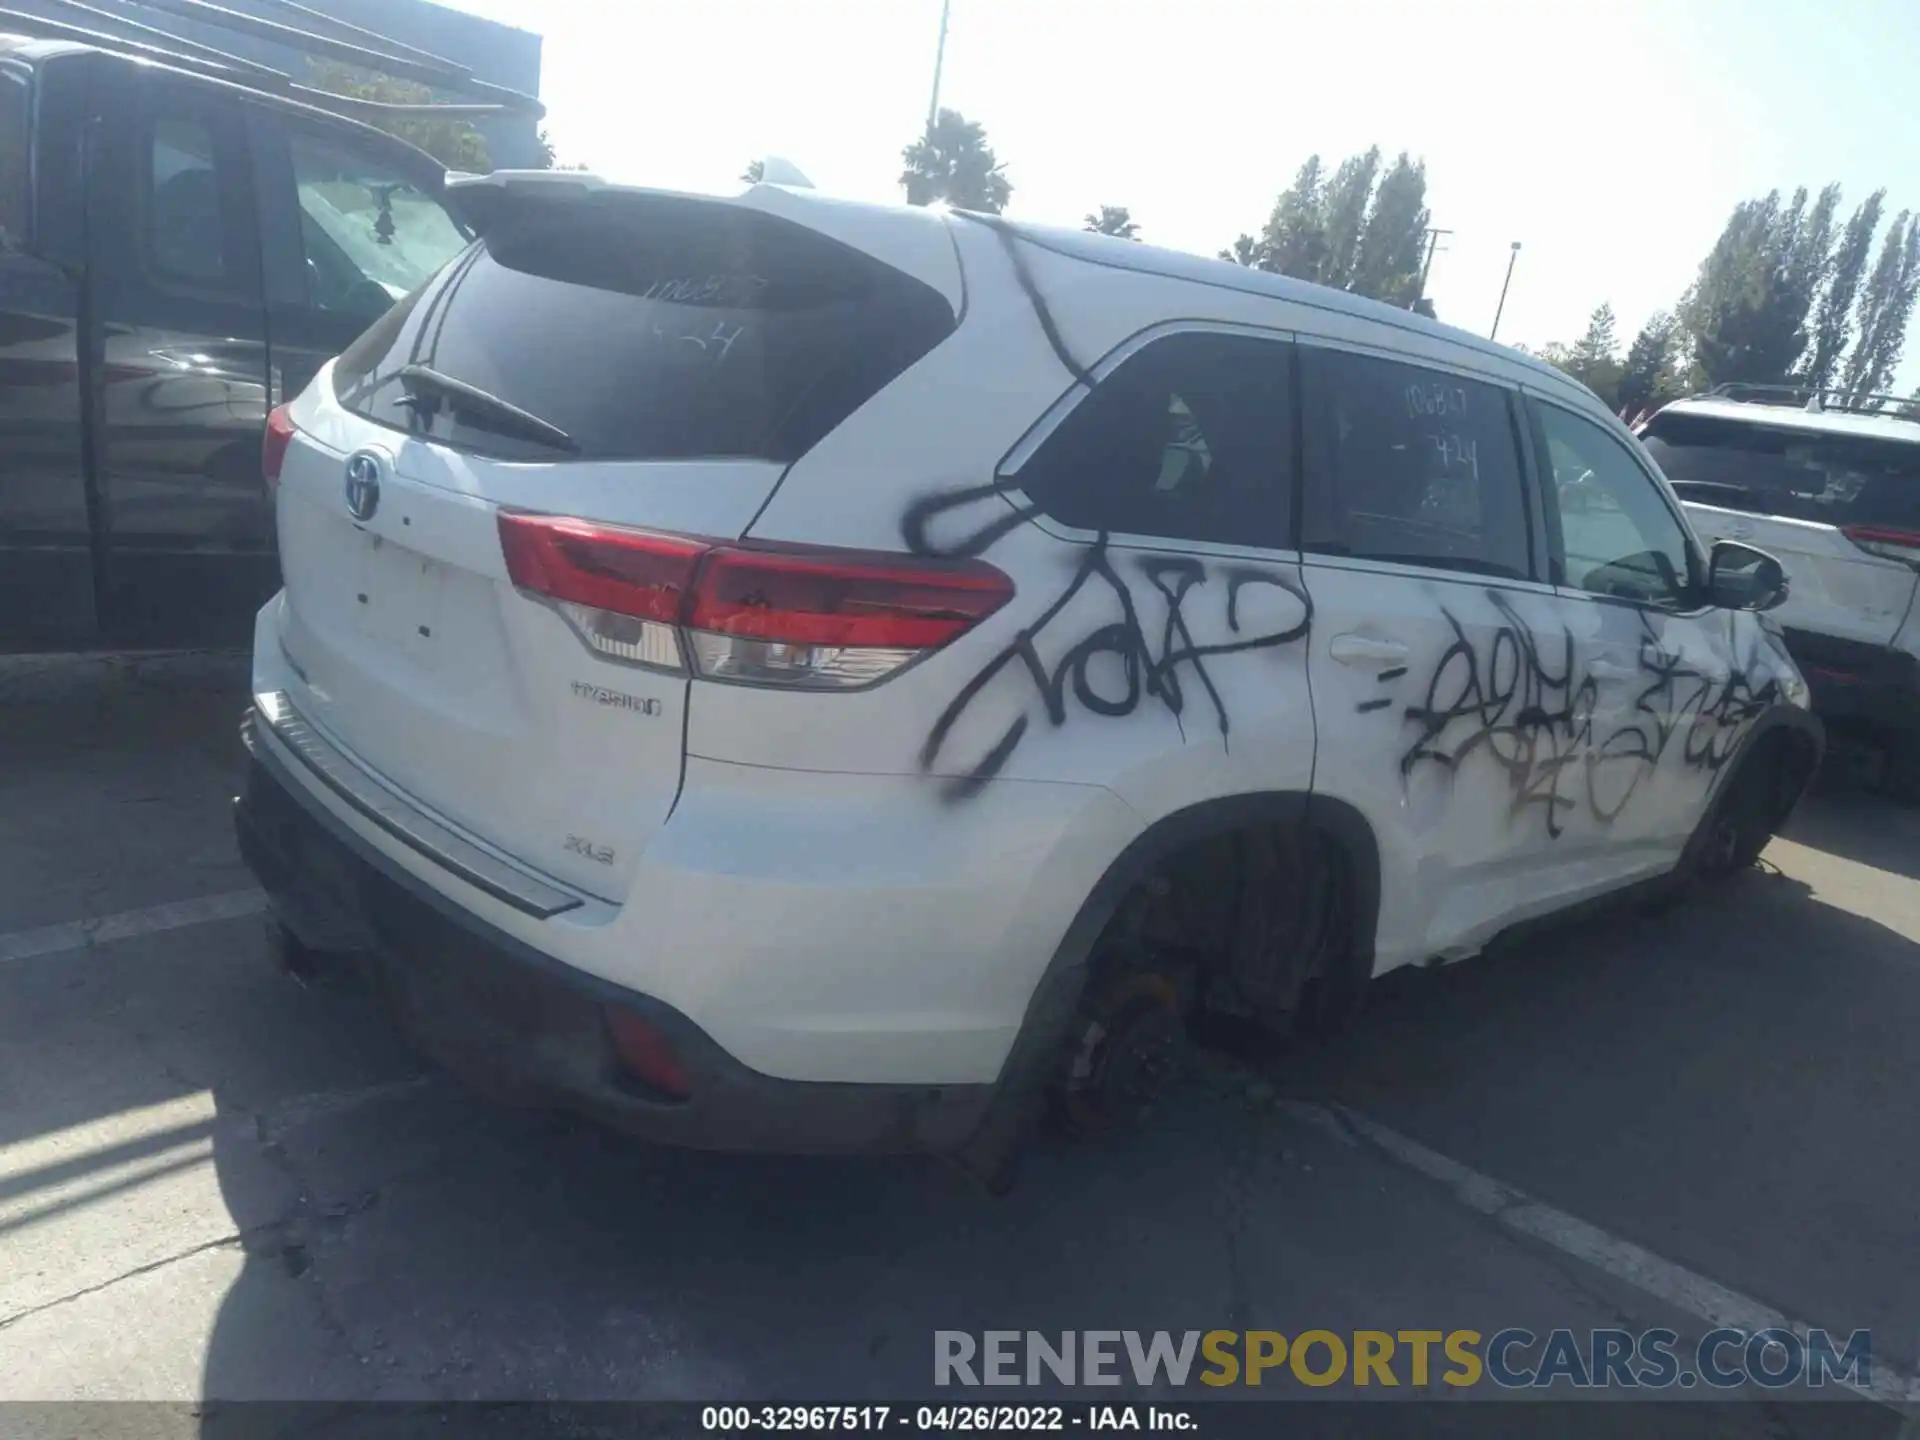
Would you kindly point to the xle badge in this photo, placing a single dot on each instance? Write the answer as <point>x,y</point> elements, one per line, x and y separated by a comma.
<point>580,845</point>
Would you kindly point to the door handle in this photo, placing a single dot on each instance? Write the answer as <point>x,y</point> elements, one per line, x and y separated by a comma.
<point>1353,649</point>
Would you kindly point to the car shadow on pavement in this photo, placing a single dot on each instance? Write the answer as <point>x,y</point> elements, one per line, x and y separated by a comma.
<point>1727,1082</point>
<point>1847,820</point>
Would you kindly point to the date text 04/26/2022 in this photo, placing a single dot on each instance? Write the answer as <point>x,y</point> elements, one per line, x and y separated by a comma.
<point>930,1419</point>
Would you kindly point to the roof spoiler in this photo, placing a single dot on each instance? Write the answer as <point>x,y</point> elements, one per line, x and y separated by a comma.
<point>328,38</point>
<point>483,199</point>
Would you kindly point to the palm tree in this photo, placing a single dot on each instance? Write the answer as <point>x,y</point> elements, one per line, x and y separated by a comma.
<point>1114,220</point>
<point>954,163</point>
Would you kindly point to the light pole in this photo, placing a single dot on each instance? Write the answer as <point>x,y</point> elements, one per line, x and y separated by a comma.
<point>1426,268</point>
<point>1500,309</point>
<point>939,59</point>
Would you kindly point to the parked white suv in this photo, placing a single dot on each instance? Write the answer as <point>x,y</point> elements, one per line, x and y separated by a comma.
<point>1835,494</point>
<point>776,672</point>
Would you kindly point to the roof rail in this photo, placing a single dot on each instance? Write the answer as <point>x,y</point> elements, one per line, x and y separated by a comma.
<point>1810,397</point>
<point>109,29</point>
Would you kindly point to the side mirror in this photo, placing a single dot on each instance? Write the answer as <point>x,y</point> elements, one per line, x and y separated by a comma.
<point>1740,577</point>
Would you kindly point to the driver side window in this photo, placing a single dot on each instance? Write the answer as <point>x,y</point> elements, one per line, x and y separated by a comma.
<point>368,234</point>
<point>1618,536</point>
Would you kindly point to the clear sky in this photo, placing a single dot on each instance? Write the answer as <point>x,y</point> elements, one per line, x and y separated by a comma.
<point>1611,138</point>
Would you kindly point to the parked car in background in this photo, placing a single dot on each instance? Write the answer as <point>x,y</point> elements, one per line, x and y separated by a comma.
<point>182,244</point>
<point>1835,494</point>
<point>781,673</point>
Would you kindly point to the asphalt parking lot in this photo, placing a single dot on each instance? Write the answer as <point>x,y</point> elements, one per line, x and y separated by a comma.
<point>216,1183</point>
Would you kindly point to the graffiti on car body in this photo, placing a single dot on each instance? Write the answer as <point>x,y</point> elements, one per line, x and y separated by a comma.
<point>1204,603</point>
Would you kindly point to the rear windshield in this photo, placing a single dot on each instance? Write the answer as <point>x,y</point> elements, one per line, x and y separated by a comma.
<point>1771,470</point>
<point>647,328</point>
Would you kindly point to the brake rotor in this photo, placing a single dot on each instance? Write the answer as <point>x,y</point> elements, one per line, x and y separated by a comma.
<point>1131,1046</point>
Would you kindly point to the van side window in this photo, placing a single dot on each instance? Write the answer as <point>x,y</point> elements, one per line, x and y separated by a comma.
<point>369,235</point>
<point>15,161</point>
<point>1191,438</point>
<point>185,233</point>
<point>1618,535</point>
<point>1412,466</point>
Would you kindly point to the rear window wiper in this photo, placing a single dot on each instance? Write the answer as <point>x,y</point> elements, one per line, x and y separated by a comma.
<point>428,388</point>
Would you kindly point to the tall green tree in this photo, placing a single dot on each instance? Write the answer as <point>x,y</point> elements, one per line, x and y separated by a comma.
<point>1747,310</point>
<point>453,142</point>
<point>1593,359</point>
<point>954,163</point>
<point>1244,251</point>
<point>1651,376</point>
<point>1884,308</point>
<point>1294,241</point>
<point>1387,265</point>
<point>1114,220</point>
<point>1833,318</point>
<point>1356,230</point>
<point>755,172</point>
<point>1345,216</point>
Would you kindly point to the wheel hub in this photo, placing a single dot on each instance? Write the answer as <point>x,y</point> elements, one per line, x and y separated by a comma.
<point>1131,1047</point>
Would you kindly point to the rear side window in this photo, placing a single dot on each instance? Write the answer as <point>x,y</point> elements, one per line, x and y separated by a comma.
<point>1190,438</point>
<point>16,168</point>
<point>185,234</point>
<point>1412,466</point>
<point>648,328</point>
<point>1771,470</point>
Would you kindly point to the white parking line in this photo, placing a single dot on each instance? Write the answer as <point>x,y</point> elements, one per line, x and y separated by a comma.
<point>1622,1259</point>
<point>175,915</point>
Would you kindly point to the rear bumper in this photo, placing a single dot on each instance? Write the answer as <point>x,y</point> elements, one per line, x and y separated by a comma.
<point>490,1007</point>
<point>1854,682</point>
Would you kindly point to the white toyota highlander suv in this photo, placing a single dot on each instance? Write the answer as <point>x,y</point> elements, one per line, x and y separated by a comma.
<point>780,673</point>
<point>1834,494</point>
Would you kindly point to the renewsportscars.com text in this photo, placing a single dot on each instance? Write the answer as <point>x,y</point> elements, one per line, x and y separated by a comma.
<point>1511,1358</point>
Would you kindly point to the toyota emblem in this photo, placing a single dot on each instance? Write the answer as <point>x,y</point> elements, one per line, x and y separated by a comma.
<point>363,484</point>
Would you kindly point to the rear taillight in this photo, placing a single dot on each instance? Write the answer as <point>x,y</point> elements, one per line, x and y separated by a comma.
<point>273,445</point>
<point>1886,542</point>
<point>623,590</point>
<point>761,614</point>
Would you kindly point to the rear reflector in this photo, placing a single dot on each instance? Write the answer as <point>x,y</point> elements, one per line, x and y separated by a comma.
<point>1886,542</point>
<point>644,1053</point>
<point>273,446</point>
<point>789,615</point>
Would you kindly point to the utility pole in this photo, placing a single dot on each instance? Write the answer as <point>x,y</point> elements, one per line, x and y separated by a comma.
<point>1501,308</point>
<point>939,59</point>
<point>1426,266</point>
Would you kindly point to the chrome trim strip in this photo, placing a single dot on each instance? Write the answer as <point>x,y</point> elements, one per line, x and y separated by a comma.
<point>408,824</point>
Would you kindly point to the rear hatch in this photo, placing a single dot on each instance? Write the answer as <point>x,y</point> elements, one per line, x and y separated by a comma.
<point>1840,511</point>
<point>643,365</point>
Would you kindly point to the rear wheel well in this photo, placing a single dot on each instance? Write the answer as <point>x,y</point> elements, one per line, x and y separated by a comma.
<point>1263,906</point>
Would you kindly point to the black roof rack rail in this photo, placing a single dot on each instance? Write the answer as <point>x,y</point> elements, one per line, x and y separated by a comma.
<point>1809,397</point>
<point>363,48</point>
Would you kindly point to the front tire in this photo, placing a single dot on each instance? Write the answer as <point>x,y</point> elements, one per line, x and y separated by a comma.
<point>1759,797</point>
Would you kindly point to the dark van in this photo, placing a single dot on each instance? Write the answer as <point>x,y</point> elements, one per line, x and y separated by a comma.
<point>184,240</point>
